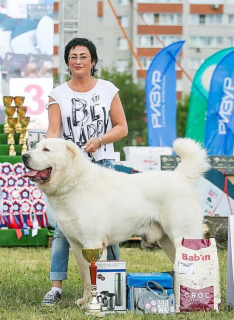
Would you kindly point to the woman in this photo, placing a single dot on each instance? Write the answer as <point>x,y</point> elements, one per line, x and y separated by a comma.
<point>89,112</point>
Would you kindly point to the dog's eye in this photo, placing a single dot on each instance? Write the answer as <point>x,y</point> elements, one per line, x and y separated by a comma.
<point>46,149</point>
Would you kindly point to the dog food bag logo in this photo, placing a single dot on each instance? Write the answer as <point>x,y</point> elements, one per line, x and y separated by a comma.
<point>192,299</point>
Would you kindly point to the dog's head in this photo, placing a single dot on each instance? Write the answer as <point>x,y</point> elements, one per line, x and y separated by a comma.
<point>49,162</point>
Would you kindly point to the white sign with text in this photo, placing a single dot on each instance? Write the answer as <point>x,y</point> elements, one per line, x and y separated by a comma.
<point>35,91</point>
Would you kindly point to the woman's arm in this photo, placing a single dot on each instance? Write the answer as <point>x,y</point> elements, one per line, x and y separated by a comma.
<point>55,120</point>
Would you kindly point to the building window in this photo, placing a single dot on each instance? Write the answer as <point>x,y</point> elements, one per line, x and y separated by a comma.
<point>166,40</point>
<point>151,41</point>
<point>231,18</point>
<point>205,42</point>
<point>179,85</point>
<point>124,20</point>
<point>123,2</point>
<point>146,41</point>
<point>122,44</point>
<point>195,63</point>
<point>230,41</point>
<point>205,19</point>
<point>162,18</point>
<point>122,65</point>
<point>145,62</point>
<point>202,19</point>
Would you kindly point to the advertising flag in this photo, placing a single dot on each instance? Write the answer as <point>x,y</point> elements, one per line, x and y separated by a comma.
<point>195,127</point>
<point>219,133</point>
<point>160,89</point>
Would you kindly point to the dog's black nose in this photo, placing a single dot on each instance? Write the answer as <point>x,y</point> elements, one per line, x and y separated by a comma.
<point>25,157</point>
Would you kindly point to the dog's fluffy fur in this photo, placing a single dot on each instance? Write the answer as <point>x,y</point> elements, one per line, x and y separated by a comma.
<point>96,207</point>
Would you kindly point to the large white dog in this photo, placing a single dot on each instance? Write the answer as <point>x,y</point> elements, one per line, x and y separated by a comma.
<point>96,207</point>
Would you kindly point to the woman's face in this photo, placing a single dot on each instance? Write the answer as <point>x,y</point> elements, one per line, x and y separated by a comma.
<point>79,61</point>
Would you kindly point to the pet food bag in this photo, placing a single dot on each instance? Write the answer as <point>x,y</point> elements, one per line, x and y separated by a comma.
<point>197,277</point>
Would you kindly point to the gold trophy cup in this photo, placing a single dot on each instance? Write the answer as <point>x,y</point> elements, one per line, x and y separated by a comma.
<point>12,123</point>
<point>7,100</point>
<point>19,100</point>
<point>10,111</point>
<point>24,122</point>
<point>92,255</point>
<point>21,111</point>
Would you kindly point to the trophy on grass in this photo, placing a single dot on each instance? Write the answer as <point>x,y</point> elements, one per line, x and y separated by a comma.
<point>92,255</point>
<point>7,101</point>
<point>24,122</point>
<point>11,141</point>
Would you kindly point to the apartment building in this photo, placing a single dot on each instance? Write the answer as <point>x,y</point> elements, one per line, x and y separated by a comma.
<point>206,25</point>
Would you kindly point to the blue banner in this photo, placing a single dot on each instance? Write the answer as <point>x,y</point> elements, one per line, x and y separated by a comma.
<point>160,89</point>
<point>219,134</point>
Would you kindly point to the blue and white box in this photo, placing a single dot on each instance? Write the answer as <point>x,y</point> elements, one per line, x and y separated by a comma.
<point>137,283</point>
<point>111,285</point>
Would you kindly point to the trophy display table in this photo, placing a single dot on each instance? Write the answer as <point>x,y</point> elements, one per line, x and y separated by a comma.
<point>8,237</point>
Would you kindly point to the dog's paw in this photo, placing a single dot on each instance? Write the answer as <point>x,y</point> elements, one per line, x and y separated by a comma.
<point>82,302</point>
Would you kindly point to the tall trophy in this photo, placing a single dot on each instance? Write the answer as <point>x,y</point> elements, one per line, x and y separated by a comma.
<point>7,101</point>
<point>21,111</point>
<point>24,121</point>
<point>12,123</point>
<point>92,255</point>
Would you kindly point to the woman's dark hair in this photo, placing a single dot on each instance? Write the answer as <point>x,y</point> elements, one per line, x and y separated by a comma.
<point>85,43</point>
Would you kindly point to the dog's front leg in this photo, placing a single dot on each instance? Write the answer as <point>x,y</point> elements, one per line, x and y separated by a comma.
<point>84,273</point>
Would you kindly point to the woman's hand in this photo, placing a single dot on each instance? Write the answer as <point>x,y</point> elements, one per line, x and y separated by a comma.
<point>92,145</point>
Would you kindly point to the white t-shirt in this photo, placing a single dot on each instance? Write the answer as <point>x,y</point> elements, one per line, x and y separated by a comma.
<point>86,115</point>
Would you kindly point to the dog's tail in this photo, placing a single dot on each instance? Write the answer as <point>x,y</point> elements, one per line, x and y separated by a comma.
<point>194,161</point>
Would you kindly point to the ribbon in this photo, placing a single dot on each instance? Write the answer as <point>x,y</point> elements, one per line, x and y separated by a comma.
<point>25,193</point>
<point>21,181</point>
<point>25,225</point>
<point>11,181</point>
<point>35,226</point>
<point>3,181</point>
<point>18,168</point>
<point>7,168</point>
<point>11,223</point>
<point>5,193</point>
<point>39,209</point>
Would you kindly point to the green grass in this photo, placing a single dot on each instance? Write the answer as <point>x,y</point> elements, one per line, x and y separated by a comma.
<point>24,281</point>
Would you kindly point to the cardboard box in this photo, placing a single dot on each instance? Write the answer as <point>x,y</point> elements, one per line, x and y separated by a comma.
<point>135,281</point>
<point>145,158</point>
<point>111,286</point>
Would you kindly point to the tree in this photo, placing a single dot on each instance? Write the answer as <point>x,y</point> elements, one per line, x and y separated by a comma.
<point>182,111</point>
<point>133,99</point>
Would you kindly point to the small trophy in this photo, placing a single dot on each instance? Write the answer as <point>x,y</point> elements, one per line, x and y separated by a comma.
<point>19,100</point>
<point>12,123</point>
<point>24,121</point>
<point>10,111</point>
<point>92,255</point>
<point>21,111</point>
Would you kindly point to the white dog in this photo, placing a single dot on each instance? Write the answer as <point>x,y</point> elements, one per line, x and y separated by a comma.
<point>96,207</point>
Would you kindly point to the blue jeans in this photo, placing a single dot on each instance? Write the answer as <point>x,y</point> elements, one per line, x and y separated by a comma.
<point>60,246</point>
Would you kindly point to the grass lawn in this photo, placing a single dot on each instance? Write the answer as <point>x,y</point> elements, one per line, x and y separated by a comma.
<point>24,281</point>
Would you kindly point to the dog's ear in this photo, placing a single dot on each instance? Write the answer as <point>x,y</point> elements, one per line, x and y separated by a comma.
<point>71,148</point>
